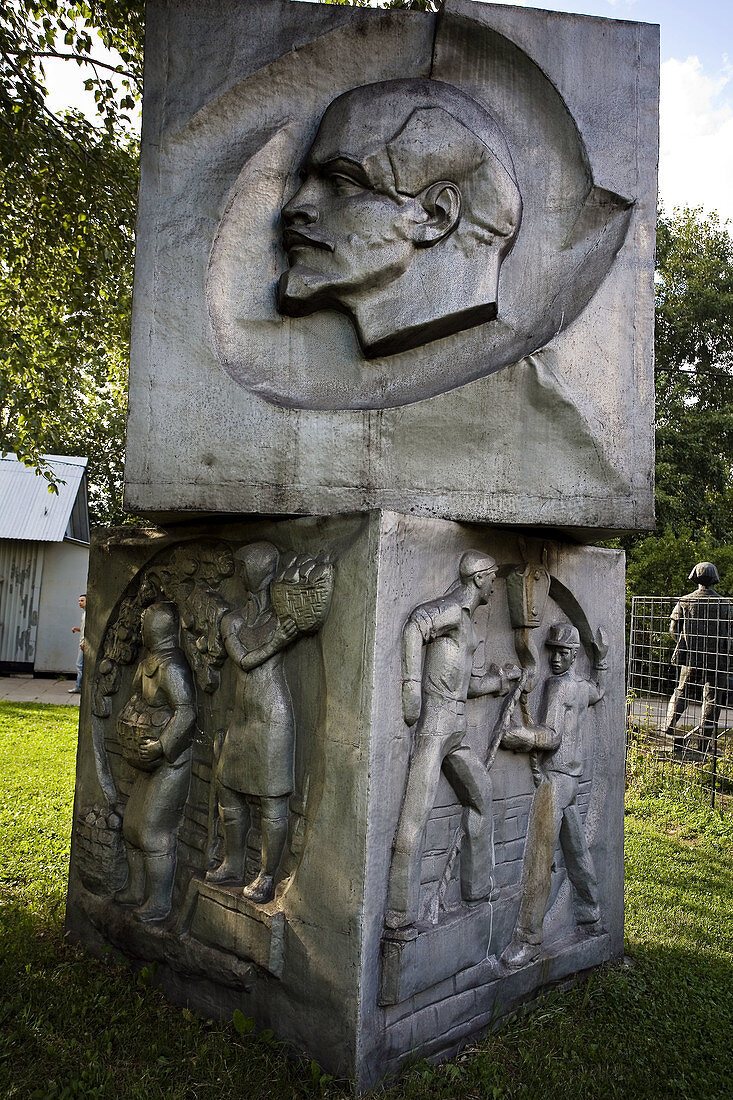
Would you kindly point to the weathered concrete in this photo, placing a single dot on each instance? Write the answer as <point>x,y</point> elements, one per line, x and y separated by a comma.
<point>324,962</point>
<point>519,395</point>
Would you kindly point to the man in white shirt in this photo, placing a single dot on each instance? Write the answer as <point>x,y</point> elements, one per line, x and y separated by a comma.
<point>76,690</point>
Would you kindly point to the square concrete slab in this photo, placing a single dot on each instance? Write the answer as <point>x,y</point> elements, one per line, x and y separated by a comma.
<point>398,260</point>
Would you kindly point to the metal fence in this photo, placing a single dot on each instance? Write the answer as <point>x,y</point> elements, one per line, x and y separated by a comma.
<point>680,697</point>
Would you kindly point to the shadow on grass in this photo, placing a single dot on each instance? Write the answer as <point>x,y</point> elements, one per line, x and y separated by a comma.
<point>75,1026</point>
<point>654,1030</point>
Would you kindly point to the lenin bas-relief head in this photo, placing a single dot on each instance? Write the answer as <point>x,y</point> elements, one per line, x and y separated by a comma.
<point>409,204</point>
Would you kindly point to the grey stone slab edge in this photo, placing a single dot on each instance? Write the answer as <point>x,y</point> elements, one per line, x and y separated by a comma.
<point>472,1012</point>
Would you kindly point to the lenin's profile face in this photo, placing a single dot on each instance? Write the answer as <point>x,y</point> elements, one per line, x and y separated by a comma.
<point>408,205</point>
<point>342,236</point>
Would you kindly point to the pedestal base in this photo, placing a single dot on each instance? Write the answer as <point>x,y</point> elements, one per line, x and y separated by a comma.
<point>290,654</point>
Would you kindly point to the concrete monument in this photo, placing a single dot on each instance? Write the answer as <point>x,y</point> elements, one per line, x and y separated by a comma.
<point>369,797</point>
<point>394,283</point>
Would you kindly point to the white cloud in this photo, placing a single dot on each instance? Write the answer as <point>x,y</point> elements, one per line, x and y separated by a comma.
<point>696,137</point>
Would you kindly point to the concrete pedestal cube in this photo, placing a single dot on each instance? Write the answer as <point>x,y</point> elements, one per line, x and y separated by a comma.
<point>329,768</point>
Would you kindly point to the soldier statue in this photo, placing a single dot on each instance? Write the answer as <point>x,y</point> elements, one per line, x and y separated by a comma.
<point>701,627</point>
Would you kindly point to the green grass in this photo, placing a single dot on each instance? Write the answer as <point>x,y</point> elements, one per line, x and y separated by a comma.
<point>71,1026</point>
<point>693,782</point>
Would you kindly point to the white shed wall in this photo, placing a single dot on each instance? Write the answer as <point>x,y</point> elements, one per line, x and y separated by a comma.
<point>64,579</point>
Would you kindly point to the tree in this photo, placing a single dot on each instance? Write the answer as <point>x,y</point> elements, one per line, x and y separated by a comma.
<point>67,206</point>
<point>694,372</point>
<point>414,5</point>
<point>694,391</point>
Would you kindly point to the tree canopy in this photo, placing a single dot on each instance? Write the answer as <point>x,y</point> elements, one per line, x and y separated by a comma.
<point>694,392</point>
<point>694,373</point>
<point>67,206</point>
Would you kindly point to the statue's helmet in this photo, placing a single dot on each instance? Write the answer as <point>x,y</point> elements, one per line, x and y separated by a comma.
<point>563,636</point>
<point>473,562</point>
<point>705,574</point>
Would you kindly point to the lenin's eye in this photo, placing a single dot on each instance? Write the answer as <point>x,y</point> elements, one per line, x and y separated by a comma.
<point>344,185</point>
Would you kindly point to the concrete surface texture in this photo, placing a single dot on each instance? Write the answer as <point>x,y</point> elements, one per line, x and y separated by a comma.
<point>315,756</point>
<point>330,317</point>
<point>31,689</point>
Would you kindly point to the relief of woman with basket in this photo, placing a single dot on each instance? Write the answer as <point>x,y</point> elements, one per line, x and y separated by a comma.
<point>255,767</point>
<point>156,729</point>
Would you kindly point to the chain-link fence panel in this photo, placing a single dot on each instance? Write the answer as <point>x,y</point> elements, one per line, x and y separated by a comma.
<point>680,695</point>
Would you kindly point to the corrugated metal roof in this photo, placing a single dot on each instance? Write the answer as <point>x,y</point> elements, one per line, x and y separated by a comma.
<point>27,509</point>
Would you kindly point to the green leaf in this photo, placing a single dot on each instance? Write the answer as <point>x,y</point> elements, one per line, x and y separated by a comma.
<point>243,1025</point>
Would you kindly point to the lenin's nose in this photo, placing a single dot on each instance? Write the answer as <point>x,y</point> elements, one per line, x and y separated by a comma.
<point>301,209</point>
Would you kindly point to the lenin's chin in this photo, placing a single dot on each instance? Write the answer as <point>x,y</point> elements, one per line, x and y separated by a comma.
<point>302,290</point>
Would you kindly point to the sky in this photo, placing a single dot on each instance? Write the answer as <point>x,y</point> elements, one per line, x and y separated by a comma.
<point>696,93</point>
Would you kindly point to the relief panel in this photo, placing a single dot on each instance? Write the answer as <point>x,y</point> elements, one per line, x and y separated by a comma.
<point>395,260</point>
<point>360,778</point>
<point>194,734</point>
<point>478,850</point>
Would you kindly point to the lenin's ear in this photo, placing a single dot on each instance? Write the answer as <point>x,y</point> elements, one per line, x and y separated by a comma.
<point>442,203</point>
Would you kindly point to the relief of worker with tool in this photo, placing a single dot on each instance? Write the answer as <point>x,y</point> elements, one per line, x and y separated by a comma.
<point>556,743</point>
<point>438,645</point>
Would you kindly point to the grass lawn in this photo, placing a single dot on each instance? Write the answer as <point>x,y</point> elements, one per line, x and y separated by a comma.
<point>74,1027</point>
